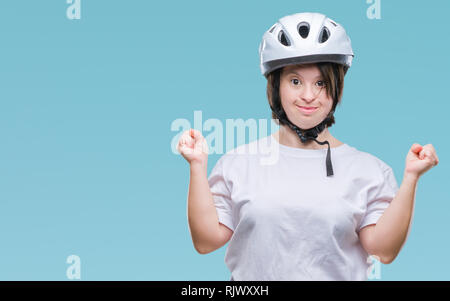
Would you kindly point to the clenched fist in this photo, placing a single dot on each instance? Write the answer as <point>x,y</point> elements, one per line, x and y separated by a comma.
<point>193,147</point>
<point>420,159</point>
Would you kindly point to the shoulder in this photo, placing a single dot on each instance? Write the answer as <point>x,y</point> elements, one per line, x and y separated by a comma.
<point>239,157</point>
<point>369,161</point>
<point>249,150</point>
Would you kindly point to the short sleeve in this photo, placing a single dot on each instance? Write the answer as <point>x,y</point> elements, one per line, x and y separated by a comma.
<point>379,197</point>
<point>221,194</point>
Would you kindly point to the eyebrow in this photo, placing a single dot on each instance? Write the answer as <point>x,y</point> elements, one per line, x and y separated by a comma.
<point>293,72</point>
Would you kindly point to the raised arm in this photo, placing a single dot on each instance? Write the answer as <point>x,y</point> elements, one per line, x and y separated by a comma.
<point>386,238</point>
<point>206,231</point>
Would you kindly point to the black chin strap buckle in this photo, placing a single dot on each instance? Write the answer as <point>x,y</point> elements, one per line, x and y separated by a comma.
<point>307,135</point>
<point>302,137</point>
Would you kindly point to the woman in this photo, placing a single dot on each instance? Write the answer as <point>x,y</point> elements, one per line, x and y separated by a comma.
<point>295,219</point>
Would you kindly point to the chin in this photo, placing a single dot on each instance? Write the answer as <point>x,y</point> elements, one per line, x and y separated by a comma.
<point>305,122</point>
<point>306,125</point>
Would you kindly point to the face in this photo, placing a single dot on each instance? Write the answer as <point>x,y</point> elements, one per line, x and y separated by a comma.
<point>301,88</point>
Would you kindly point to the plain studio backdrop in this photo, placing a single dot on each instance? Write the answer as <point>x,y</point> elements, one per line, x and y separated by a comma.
<point>87,106</point>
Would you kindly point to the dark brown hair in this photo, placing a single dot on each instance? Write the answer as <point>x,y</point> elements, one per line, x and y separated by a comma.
<point>333,76</point>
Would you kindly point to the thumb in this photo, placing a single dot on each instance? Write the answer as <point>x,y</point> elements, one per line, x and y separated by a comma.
<point>416,148</point>
<point>196,134</point>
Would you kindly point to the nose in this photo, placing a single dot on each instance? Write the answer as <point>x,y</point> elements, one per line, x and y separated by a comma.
<point>307,95</point>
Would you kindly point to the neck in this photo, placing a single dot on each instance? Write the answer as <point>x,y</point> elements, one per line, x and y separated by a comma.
<point>288,137</point>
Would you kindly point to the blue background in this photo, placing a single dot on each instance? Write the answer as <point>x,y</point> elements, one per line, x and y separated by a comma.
<point>86,108</point>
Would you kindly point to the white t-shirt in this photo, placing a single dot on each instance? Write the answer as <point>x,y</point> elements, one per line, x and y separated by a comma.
<point>292,222</point>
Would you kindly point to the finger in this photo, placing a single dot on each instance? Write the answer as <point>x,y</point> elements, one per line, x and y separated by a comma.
<point>182,141</point>
<point>181,148</point>
<point>426,154</point>
<point>435,158</point>
<point>422,154</point>
<point>184,136</point>
<point>429,146</point>
<point>186,150</point>
<point>432,152</point>
<point>429,154</point>
<point>428,151</point>
<point>202,146</point>
<point>431,161</point>
<point>187,139</point>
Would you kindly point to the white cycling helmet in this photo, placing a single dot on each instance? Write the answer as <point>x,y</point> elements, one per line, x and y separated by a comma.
<point>304,38</point>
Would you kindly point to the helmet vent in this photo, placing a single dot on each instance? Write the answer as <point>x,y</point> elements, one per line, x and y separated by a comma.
<point>332,22</point>
<point>282,38</point>
<point>303,29</point>
<point>272,28</point>
<point>324,35</point>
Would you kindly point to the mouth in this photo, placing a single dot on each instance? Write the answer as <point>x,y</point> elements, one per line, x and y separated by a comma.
<point>307,110</point>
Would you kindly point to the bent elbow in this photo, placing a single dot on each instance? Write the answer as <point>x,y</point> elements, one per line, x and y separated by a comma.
<point>387,259</point>
<point>203,251</point>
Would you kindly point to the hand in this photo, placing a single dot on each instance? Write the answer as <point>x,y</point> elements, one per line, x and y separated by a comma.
<point>193,147</point>
<point>420,159</point>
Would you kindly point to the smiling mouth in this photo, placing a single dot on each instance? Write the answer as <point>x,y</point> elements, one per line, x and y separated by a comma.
<point>306,110</point>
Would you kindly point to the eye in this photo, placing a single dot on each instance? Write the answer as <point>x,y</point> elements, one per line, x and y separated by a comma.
<point>321,83</point>
<point>295,81</point>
